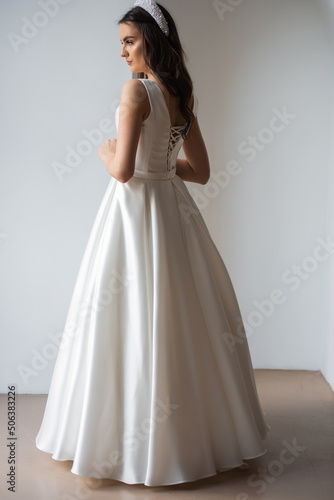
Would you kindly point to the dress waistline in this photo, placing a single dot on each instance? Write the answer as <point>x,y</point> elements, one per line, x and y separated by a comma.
<point>162,176</point>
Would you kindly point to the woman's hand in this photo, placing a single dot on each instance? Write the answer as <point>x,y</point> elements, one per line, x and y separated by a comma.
<point>107,151</point>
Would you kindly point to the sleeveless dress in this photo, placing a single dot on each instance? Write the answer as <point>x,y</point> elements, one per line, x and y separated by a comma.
<point>153,381</point>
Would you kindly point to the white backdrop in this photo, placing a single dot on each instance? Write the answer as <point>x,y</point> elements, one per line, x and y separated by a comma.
<point>263,72</point>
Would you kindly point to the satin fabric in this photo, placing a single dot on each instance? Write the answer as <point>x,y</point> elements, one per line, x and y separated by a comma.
<point>147,386</point>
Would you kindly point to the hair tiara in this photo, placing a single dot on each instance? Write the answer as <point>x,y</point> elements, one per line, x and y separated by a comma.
<point>154,10</point>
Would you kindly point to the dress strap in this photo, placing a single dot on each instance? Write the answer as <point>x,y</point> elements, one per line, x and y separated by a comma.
<point>195,108</point>
<point>148,90</point>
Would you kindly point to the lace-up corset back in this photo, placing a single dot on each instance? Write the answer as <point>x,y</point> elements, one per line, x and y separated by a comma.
<point>174,137</point>
<point>159,142</point>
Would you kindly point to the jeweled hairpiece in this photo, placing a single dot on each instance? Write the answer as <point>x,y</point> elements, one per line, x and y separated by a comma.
<point>154,10</point>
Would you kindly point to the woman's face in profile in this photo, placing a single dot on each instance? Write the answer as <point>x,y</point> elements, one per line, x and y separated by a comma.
<point>132,47</point>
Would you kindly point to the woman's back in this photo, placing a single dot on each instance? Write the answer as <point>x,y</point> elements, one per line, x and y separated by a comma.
<point>160,141</point>
<point>173,106</point>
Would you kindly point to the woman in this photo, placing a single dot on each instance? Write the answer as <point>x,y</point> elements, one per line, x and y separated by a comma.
<point>153,382</point>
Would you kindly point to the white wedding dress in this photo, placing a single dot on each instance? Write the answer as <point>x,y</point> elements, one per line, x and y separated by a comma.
<point>150,385</point>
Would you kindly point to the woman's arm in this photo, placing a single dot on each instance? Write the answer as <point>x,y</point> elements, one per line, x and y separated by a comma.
<point>196,167</point>
<point>119,155</point>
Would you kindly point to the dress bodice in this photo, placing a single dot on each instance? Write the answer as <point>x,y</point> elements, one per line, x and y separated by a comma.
<point>159,142</point>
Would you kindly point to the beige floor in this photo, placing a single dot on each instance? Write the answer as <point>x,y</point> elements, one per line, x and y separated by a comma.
<point>299,463</point>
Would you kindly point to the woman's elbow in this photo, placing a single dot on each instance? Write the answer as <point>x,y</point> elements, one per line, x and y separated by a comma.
<point>206,176</point>
<point>123,175</point>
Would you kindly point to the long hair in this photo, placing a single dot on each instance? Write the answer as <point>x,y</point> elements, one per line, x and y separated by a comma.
<point>165,57</point>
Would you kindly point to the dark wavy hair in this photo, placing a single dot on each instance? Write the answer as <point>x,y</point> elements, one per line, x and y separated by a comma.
<point>165,57</point>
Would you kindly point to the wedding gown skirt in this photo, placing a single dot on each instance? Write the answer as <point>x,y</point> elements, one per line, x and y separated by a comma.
<point>148,386</point>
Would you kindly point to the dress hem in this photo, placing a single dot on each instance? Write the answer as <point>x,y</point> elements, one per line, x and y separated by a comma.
<point>220,470</point>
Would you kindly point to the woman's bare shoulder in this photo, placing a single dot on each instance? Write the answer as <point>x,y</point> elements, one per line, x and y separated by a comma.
<point>134,92</point>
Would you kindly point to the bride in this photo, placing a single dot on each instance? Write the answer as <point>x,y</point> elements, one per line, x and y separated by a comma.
<point>145,387</point>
